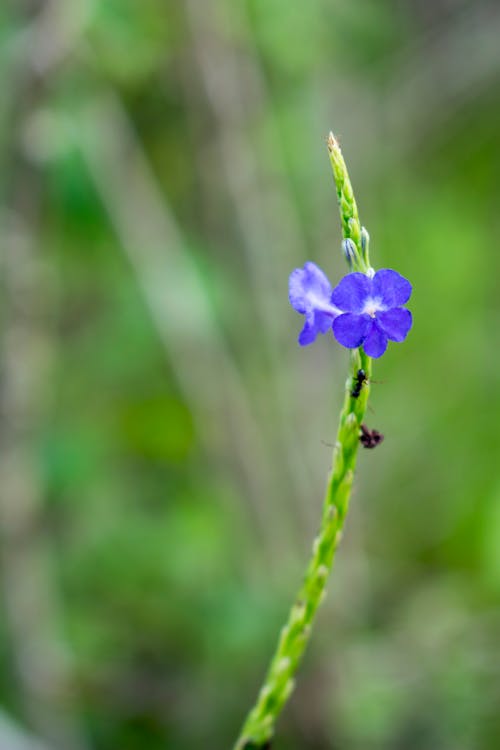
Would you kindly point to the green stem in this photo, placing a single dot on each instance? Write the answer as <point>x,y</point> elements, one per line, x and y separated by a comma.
<point>279,682</point>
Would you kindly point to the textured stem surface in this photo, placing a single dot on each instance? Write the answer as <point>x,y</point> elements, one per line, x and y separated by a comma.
<point>279,682</point>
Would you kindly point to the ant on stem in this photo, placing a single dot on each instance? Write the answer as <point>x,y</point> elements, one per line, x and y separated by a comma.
<point>358,383</point>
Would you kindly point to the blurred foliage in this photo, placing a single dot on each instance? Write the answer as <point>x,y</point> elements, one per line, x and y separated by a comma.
<point>169,466</point>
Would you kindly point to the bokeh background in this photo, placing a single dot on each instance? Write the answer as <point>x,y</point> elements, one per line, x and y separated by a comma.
<point>164,442</point>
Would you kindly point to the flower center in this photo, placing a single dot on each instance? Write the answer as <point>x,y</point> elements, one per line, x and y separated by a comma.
<point>372,306</point>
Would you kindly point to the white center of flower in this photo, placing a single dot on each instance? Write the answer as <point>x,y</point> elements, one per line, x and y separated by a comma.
<point>372,306</point>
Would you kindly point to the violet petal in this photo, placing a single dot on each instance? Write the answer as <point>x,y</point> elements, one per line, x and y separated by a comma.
<point>395,323</point>
<point>376,341</point>
<point>391,288</point>
<point>316,322</point>
<point>351,292</point>
<point>350,329</point>
<point>308,287</point>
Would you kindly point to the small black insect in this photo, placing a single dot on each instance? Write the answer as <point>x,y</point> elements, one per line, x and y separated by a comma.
<point>370,438</point>
<point>358,383</point>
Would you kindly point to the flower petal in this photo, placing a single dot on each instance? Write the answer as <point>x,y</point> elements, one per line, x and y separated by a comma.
<point>308,287</point>
<point>391,288</point>
<point>316,322</point>
<point>308,334</point>
<point>350,330</point>
<point>376,341</point>
<point>322,321</point>
<point>395,323</point>
<point>351,292</point>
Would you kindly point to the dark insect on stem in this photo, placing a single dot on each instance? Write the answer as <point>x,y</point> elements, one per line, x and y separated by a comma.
<point>359,380</point>
<point>370,438</point>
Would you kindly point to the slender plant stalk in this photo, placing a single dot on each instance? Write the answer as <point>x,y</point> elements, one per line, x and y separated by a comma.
<point>258,728</point>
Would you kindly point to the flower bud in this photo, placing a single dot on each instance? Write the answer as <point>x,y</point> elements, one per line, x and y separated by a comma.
<point>365,242</point>
<point>351,252</point>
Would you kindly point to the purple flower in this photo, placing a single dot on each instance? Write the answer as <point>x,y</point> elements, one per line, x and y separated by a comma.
<point>310,293</point>
<point>362,310</point>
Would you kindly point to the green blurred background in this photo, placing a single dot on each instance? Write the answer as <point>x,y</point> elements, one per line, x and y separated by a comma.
<point>163,439</point>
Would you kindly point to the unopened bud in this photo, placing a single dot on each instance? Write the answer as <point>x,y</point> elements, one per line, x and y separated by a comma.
<point>350,251</point>
<point>365,243</point>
